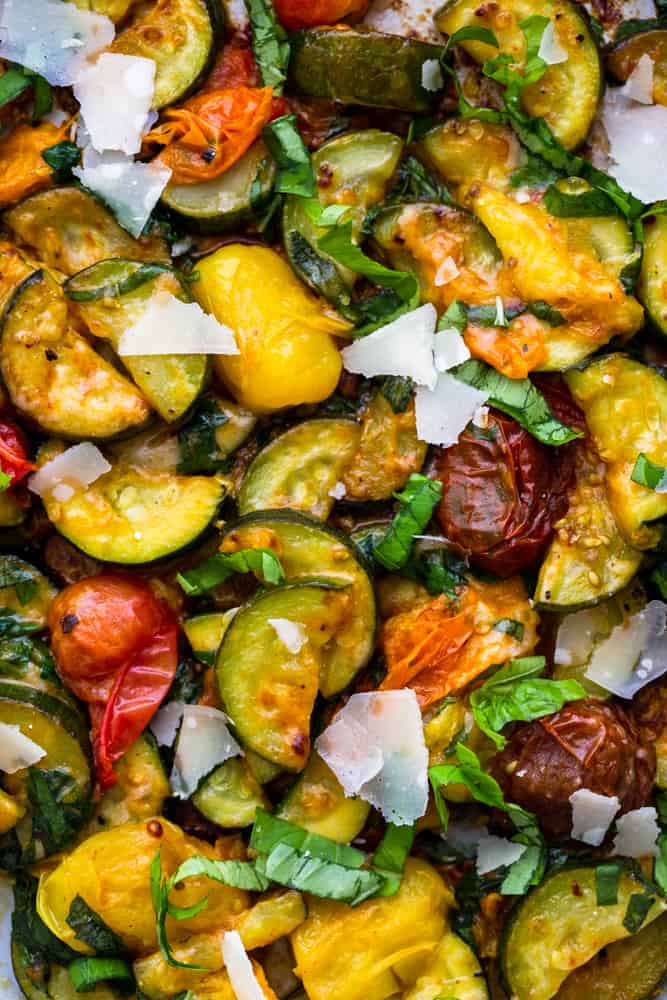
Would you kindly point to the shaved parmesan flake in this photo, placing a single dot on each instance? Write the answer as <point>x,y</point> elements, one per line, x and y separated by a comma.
<point>495,852</point>
<point>432,77</point>
<point>16,750</point>
<point>449,349</point>
<point>116,94</point>
<point>169,326</point>
<point>204,742</point>
<point>338,491</point>
<point>446,272</point>
<point>9,989</point>
<point>291,634</point>
<point>639,85</point>
<point>592,815</point>
<point>51,37</point>
<point>634,654</point>
<point>78,466</point>
<point>164,725</point>
<point>637,833</point>
<point>640,9</point>
<point>404,347</point>
<point>480,417</point>
<point>551,50</point>
<point>637,136</point>
<point>445,411</point>
<point>375,747</point>
<point>131,190</point>
<point>410,18</point>
<point>239,968</point>
<point>237,16</point>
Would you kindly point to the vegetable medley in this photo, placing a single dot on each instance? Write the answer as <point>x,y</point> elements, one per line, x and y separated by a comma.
<point>333,492</point>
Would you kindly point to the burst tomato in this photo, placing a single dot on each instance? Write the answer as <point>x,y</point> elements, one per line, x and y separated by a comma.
<point>115,644</point>
<point>309,13</point>
<point>13,459</point>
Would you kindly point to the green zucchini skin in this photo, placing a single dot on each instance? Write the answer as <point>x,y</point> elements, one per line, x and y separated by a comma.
<point>231,795</point>
<point>357,66</point>
<point>316,801</point>
<point>652,291</point>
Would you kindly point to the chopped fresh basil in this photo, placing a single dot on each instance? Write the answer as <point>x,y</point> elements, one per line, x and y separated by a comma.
<point>295,168</point>
<point>520,399</point>
<point>534,173</point>
<point>647,473</point>
<point>61,158</point>
<point>198,448</point>
<point>236,874</point>
<point>397,390</point>
<point>308,873</point>
<point>418,501</point>
<point>270,831</point>
<point>527,870</point>
<point>14,574</point>
<point>13,82</point>
<point>542,310</point>
<point>262,562</point>
<point>86,973</point>
<point>391,855</point>
<point>269,43</point>
<point>89,927</point>
<point>472,33</point>
<point>607,877</point>
<point>588,203</point>
<point>16,80</point>
<point>510,627</point>
<point>438,570</point>
<point>160,888</point>
<point>29,928</point>
<point>638,906</point>
<point>54,821</point>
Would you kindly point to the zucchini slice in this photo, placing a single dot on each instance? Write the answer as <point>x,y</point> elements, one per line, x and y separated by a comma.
<point>140,791</point>
<point>652,288</point>
<point>317,802</point>
<point>112,295</point>
<point>608,237</point>
<point>588,559</point>
<point>625,55</point>
<point>25,596</point>
<point>132,516</point>
<point>452,971</point>
<point>41,979</point>
<point>268,691</point>
<point>181,37</point>
<point>300,467</point>
<point>230,200</point>
<point>54,376</point>
<point>360,66</point>
<point>217,428</point>
<point>354,169</point>
<point>205,632</point>
<point>306,550</point>
<point>68,230</point>
<point>115,9</point>
<point>559,927</point>
<point>463,151</point>
<point>567,95</point>
<point>231,795</point>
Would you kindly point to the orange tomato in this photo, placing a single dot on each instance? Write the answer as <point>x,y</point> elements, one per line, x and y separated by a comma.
<point>309,13</point>
<point>23,170</point>
<point>515,351</point>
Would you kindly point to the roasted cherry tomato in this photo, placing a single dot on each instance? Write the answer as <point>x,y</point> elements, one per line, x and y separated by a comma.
<point>503,490</point>
<point>235,66</point>
<point>588,744</point>
<point>13,460</point>
<point>115,644</point>
<point>309,13</point>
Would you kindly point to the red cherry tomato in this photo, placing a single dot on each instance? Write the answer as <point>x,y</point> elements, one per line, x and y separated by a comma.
<point>13,460</point>
<point>115,645</point>
<point>309,13</point>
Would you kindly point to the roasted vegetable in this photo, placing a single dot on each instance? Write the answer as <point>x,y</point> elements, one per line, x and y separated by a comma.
<point>654,263</point>
<point>317,802</point>
<point>625,55</point>
<point>24,169</point>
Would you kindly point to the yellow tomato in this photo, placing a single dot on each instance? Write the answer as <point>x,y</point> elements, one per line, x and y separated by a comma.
<point>111,872</point>
<point>283,331</point>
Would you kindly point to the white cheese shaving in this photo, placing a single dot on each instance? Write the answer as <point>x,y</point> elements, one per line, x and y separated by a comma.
<point>239,968</point>
<point>637,833</point>
<point>480,417</point>
<point>131,190</point>
<point>409,18</point>
<point>637,136</point>
<point>292,634</point>
<point>77,466</point>
<point>16,750</point>
<point>236,16</point>
<point>204,742</point>
<point>445,411</point>
<point>375,747</point>
<point>494,852</point>
<point>169,326</point>
<point>116,94</point>
<point>164,725</point>
<point>404,347</point>
<point>551,50</point>
<point>337,491</point>
<point>9,989</point>
<point>592,815</point>
<point>449,349</point>
<point>639,85</point>
<point>446,272</point>
<point>634,654</point>
<point>640,9</point>
<point>181,246</point>
<point>51,37</point>
<point>432,77</point>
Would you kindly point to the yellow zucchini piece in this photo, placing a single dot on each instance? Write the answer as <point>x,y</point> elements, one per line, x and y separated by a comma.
<point>139,792</point>
<point>54,376</point>
<point>652,282</point>
<point>567,95</point>
<point>625,404</point>
<point>317,802</point>
<point>452,971</point>
<point>115,9</point>
<point>231,795</point>
<point>29,601</point>
<point>463,151</point>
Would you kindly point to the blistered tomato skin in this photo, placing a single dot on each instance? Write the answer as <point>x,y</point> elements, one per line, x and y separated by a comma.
<point>588,744</point>
<point>294,14</point>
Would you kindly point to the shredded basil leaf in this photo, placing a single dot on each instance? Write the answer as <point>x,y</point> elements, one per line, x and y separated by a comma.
<point>418,501</point>
<point>89,927</point>
<point>236,874</point>
<point>61,158</point>
<point>262,562</point>
<point>607,877</point>
<point>534,173</point>
<point>510,627</point>
<point>308,873</point>
<point>295,168</point>
<point>269,43</point>
<point>268,831</point>
<point>86,973</point>
<point>588,203</point>
<point>198,448</point>
<point>438,570</point>
<point>391,855</point>
<point>638,906</point>
<point>647,473</point>
<point>13,82</point>
<point>527,870</point>
<point>397,390</point>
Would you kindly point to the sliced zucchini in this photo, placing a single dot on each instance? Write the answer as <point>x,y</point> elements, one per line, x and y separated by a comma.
<point>140,790</point>
<point>41,979</point>
<point>307,549</point>
<point>231,795</point>
<point>559,927</point>
<point>625,404</point>
<point>268,691</point>
<point>299,468</point>
<point>230,200</point>
<point>359,66</point>
<point>354,169</point>
<point>452,971</point>
<point>625,55</point>
<point>607,237</point>
<point>132,516</point>
<point>463,151</point>
<point>54,376</point>
<point>111,296</point>
<point>205,632</point>
<point>69,230</point>
<point>567,95</point>
<point>217,428</point>
<point>317,802</point>
<point>589,559</point>
<point>652,290</point>
<point>25,596</point>
<point>181,37</point>
<point>630,969</point>
<point>115,9</point>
